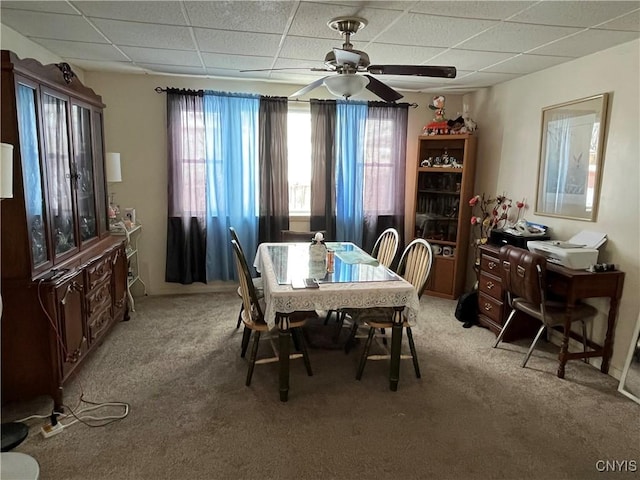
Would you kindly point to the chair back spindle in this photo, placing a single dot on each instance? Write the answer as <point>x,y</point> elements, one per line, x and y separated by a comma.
<point>415,264</point>
<point>386,247</point>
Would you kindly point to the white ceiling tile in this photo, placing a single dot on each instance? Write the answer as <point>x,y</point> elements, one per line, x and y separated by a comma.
<point>491,10</point>
<point>574,13</point>
<point>163,56</point>
<point>51,7</point>
<point>236,62</point>
<point>485,79</point>
<point>265,17</point>
<point>524,64</point>
<point>223,72</point>
<point>174,69</point>
<point>84,51</point>
<point>304,66</point>
<point>433,31</point>
<point>383,53</point>
<point>469,59</point>
<point>303,48</point>
<point>51,25</point>
<point>146,34</point>
<point>630,22</point>
<point>585,43</point>
<point>311,21</point>
<point>384,5</point>
<point>516,37</point>
<point>168,13</point>
<point>241,43</point>
<point>120,67</point>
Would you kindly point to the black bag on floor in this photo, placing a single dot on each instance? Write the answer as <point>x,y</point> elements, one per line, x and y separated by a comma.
<point>467,308</point>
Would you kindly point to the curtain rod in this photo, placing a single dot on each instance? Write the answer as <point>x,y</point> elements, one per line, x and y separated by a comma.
<point>201,93</point>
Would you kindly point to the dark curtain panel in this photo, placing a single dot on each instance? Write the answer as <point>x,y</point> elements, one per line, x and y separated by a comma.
<point>274,169</point>
<point>186,237</point>
<point>384,174</point>
<point>323,165</point>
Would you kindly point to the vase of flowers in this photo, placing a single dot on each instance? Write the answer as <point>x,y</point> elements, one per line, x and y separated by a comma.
<point>488,213</point>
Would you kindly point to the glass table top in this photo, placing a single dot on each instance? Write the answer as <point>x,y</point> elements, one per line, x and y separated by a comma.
<point>291,263</point>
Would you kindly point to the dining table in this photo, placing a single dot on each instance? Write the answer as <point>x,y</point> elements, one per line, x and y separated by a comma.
<point>354,280</point>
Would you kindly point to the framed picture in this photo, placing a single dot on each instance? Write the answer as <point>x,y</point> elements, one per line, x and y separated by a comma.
<point>571,158</point>
<point>130,214</point>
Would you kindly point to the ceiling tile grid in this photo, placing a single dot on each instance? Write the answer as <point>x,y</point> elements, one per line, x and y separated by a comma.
<point>488,41</point>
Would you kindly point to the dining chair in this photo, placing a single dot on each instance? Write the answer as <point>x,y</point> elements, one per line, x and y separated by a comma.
<point>415,267</point>
<point>384,250</point>
<point>257,281</point>
<point>524,278</point>
<point>253,318</point>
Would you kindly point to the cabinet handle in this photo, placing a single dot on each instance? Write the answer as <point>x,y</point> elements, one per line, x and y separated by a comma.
<point>492,265</point>
<point>488,307</point>
<point>490,285</point>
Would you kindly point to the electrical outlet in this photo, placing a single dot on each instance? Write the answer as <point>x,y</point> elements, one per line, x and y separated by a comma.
<point>49,430</point>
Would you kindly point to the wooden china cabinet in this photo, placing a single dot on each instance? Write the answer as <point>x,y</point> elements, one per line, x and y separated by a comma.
<point>63,274</point>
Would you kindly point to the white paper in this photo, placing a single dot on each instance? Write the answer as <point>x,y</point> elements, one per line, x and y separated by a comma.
<point>588,239</point>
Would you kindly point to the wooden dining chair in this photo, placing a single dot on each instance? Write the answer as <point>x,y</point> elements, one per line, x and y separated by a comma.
<point>253,319</point>
<point>415,267</point>
<point>257,281</point>
<point>524,278</point>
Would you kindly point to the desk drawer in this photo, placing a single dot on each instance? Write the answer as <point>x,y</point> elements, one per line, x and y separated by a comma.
<point>490,264</point>
<point>98,299</point>
<point>490,307</point>
<point>491,285</point>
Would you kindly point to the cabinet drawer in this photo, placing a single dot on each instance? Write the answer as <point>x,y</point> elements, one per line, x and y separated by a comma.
<point>491,285</point>
<point>98,299</point>
<point>99,323</point>
<point>98,271</point>
<point>490,307</point>
<point>490,264</point>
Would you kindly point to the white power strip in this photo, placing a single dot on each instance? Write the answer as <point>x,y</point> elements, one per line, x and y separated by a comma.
<point>49,430</point>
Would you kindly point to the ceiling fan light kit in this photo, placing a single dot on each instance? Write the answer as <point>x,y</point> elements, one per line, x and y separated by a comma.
<point>348,63</point>
<point>346,85</point>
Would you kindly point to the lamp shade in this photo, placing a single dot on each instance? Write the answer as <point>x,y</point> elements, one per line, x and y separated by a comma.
<point>113,167</point>
<point>6,170</point>
<point>346,84</point>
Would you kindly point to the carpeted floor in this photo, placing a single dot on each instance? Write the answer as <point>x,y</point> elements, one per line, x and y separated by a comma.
<point>474,414</point>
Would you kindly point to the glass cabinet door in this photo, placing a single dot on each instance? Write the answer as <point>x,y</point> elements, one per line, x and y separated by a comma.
<point>85,194</point>
<point>59,173</point>
<point>101,191</point>
<point>32,175</point>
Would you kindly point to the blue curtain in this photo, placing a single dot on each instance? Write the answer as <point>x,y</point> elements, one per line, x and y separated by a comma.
<point>232,184</point>
<point>351,121</point>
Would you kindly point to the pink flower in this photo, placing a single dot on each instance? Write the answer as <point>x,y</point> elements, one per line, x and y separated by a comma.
<point>520,204</point>
<point>474,201</point>
<point>474,220</point>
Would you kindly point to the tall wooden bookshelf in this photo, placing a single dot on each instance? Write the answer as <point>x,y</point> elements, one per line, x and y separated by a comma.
<point>445,172</point>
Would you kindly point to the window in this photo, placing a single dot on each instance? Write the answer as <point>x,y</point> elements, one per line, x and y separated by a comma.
<point>299,159</point>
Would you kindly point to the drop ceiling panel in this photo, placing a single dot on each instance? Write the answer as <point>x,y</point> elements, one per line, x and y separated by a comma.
<point>383,53</point>
<point>585,42</point>
<point>303,65</point>
<point>629,22</point>
<point>516,37</point>
<point>524,64</point>
<point>51,7</point>
<point>51,25</point>
<point>236,43</point>
<point>488,10</point>
<point>303,48</point>
<point>574,13</point>
<point>119,67</point>
<point>265,17</point>
<point>485,79</point>
<point>163,56</point>
<point>173,69</point>
<point>469,59</point>
<point>433,31</point>
<point>146,34</point>
<point>85,51</point>
<point>236,62</point>
<point>168,13</point>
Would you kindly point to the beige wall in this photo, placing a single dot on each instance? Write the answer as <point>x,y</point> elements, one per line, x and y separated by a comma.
<point>509,116</point>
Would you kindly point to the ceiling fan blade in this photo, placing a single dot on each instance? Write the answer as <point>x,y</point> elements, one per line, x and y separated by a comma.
<point>417,70</point>
<point>313,85</point>
<point>385,92</point>
<point>346,57</point>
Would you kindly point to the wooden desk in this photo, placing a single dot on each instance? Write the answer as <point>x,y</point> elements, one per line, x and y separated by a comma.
<point>571,285</point>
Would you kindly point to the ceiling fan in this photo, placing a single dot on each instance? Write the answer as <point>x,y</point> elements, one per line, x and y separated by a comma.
<point>353,67</point>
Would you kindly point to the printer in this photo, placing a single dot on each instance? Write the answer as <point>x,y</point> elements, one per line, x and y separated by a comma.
<point>578,253</point>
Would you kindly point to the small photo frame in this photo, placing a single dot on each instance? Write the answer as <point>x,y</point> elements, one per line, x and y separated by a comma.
<point>130,214</point>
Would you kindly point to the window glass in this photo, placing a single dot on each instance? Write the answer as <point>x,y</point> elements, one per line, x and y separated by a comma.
<point>299,158</point>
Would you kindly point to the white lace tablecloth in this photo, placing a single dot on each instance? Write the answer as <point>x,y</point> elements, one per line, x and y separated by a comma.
<point>331,296</point>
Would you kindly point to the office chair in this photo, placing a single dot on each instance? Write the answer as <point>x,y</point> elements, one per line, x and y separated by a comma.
<point>524,278</point>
